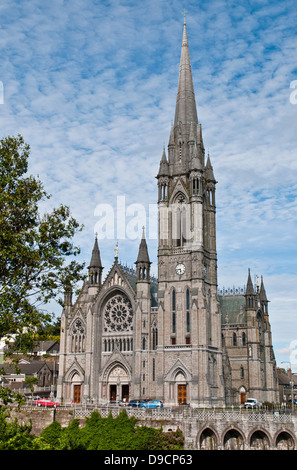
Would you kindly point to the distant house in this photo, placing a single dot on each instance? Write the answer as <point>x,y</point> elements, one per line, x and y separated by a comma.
<point>287,384</point>
<point>42,348</point>
<point>5,341</point>
<point>46,372</point>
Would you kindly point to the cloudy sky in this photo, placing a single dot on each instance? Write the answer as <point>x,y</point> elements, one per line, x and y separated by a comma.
<point>91,85</point>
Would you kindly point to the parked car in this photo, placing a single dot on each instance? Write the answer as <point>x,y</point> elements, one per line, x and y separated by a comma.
<point>116,403</point>
<point>252,403</point>
<point>137,403</point>
<point>46,402</point>
<point>153,404</point>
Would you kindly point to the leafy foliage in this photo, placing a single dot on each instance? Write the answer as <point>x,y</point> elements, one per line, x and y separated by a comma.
<point>34,248</point>
<point>7,397</point>
<point>52,435</point>
<point>119,433</point>
<point>14,436</point>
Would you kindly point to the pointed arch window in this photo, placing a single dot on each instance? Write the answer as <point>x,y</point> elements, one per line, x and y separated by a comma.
<point>173,311</point>
<point>154,370</point>
<point>78,337</point>
<point>234,339</point>
<point>188,324</point>
<point>181,225</point>
<point>155,337</point>
<point>241,372</point>
<point>181,219</point>
<point>195,186</point>
<point>243,339</point>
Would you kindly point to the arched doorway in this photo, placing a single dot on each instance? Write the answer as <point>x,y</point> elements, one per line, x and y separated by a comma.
<point>181,385</point>
<point>208,440</point>
<point>242,393</point>
<point>118,384</point>
<point>76,386</point>
<point>233,440</point>
<point>259,441</point>
<point>285,441</point>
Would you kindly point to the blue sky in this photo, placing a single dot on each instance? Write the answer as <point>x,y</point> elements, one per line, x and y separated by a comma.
<point>91,85</point>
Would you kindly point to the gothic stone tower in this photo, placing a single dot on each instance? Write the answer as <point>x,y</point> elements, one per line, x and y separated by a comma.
<point>247,339</point>
<point>189,321</point>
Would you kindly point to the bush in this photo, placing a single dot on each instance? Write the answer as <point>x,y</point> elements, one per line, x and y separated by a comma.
<point>17,437</point>
<point>120,433</point>
<point>52,434</point>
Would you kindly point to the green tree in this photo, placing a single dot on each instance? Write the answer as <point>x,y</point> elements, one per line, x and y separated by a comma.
<point>119,433</point>
<point>7,397</point>
<point>14,436</point>
<point>35,248</point>
<point>71,437</point>
<point>51,435</point>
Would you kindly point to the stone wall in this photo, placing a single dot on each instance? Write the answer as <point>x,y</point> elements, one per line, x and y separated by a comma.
<point>41,418</point>
<point>202,429</point>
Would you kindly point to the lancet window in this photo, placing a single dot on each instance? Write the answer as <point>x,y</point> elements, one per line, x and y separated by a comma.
<point>78,337</point>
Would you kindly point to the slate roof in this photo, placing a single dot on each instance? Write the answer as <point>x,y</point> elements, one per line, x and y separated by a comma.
<point>28,369</point>
<point>233,309</point>
<point>46,346</point>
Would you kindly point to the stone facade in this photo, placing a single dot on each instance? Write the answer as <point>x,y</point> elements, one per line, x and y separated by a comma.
<point>176,339</point>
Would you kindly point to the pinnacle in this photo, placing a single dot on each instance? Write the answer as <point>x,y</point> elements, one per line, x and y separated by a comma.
<point>143,256</point>
<point>95,260</point>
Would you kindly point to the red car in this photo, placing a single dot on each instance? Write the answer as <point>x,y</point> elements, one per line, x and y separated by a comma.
<point>46,402</point>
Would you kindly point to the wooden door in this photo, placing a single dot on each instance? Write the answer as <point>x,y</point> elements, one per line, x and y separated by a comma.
<point>112,393</point>
<point>181,393</point>
<point>125,393</point>
<point>76,393</point>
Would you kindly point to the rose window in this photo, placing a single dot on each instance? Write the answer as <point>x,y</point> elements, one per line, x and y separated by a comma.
<point>118,314</point>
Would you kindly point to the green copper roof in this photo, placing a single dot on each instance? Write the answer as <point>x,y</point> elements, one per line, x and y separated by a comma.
<point>233,308</point>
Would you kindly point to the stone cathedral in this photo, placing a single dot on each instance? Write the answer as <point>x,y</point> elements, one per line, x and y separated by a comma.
<point>175,339</point>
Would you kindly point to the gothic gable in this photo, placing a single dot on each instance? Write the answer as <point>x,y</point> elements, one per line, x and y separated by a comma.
<point>117,277</point>
<point>117,359</point>
<point>74,369</point>
<point>179,193</point>
<point>178,368</point>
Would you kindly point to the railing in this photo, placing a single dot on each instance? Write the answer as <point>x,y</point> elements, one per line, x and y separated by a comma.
<point>188,412</point>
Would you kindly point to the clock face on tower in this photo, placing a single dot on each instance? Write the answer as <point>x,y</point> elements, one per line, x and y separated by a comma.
<point>180,268</point>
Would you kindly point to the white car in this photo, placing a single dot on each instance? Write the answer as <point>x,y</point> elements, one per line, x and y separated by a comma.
<point>252,403</point>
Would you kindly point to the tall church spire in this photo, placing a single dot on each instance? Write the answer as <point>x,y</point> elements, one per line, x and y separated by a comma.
<point>185,110</point>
